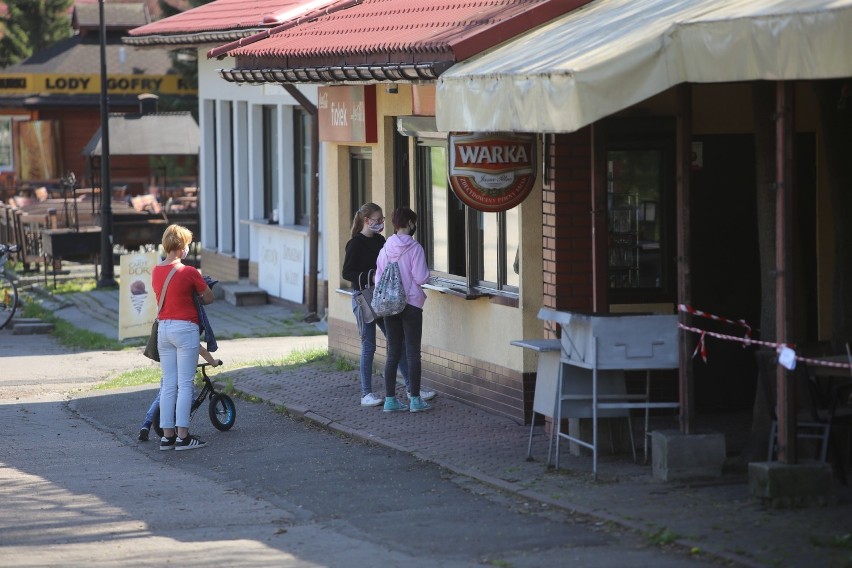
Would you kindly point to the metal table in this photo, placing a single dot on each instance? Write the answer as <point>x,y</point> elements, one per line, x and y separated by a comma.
<point>595,351</point>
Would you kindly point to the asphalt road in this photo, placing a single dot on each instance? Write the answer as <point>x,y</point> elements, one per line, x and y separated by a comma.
<point>77,488</point>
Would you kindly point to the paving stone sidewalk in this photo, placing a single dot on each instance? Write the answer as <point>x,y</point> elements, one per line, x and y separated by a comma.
<point>716,517</point>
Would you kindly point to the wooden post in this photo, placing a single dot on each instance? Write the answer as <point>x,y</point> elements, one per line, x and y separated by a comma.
<point>600,229</point>
<point>783,191</point>
<point>683,153</point>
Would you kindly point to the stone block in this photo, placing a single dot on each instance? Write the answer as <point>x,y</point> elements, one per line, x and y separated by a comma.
<point>32,328</point>
<point>679,456</point>
<point>244,295</point>
<point>782,485</point>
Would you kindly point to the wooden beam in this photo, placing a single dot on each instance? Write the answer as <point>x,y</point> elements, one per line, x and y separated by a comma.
<point>784,103</point>
<point>683,158</point>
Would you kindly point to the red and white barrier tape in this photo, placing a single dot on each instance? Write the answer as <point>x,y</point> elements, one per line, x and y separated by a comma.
<point>746,341</point>
<point>692,311</point>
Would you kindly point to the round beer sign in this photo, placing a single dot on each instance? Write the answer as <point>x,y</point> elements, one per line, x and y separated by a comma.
<point>492,172</point>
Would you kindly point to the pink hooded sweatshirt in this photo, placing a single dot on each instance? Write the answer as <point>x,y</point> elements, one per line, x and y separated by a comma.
<point>412,265</point>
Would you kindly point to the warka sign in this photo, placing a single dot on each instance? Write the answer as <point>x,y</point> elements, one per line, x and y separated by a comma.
<point>492,172</point>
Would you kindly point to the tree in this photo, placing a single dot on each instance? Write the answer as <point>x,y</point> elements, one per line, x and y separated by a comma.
<point>184,61</point>
<point>31,25</point>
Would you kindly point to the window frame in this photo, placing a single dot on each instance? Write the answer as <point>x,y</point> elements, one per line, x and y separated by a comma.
<point>469,285</point>
<point>271,148</point>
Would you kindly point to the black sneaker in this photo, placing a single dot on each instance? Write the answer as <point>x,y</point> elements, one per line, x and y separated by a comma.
<point>189,443</point>
<point>143,435</point>
<point>168,443</point>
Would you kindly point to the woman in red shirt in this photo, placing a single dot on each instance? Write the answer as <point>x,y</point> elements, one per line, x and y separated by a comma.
<point>177,337</point>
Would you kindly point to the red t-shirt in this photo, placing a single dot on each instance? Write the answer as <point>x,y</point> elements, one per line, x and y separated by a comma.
<point>179,304</point>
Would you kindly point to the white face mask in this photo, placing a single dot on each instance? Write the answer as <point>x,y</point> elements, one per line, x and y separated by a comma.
<point>185,252</point>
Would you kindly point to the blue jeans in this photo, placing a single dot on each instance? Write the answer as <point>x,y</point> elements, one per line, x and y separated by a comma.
<point>177,341</point>
<point>149,416</point>
<point>404,332</point>
<point>368,350</point>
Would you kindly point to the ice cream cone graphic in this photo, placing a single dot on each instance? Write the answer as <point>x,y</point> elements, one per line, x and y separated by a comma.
<point>138,295</point>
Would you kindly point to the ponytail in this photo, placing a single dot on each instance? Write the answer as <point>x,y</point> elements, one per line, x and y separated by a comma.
<point>361,215</point>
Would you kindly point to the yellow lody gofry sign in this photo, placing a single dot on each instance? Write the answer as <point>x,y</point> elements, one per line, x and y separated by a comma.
<point>31,84</point>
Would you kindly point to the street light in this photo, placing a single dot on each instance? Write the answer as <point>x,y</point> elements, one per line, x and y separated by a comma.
<point>107,275</point>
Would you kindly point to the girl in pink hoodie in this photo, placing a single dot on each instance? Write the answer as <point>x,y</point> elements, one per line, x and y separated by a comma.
<point>405,328</point>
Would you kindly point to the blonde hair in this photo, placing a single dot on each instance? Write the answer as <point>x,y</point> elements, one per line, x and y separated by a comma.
<point>361,216</point>
<point>176,237</point>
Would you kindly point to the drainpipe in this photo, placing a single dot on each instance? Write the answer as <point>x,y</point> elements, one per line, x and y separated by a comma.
<point>313,227</point>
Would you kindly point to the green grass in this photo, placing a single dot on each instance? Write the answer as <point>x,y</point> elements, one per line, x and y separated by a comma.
<point>74,286</point>
<point>662,537</point>
<point>296,359</point>
<point>134,378</point>
<point>72,336</point>
<point>834,541</point>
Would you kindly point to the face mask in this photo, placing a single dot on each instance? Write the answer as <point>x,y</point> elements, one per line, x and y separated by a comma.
<point>185,252</point>
<point>377,227</point>
<point>411,229</point>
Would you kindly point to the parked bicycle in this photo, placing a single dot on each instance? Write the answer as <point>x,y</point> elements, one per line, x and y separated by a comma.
<point>8,290</point>
<point>221,409</point>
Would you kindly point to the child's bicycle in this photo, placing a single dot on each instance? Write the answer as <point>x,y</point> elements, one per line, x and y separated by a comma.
<point>8,290</point>
<point>221,409</point>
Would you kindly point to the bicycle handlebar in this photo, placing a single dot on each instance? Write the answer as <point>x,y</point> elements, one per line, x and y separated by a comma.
<point>219,363</point>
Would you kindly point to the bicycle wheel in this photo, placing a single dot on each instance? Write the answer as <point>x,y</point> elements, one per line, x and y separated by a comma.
<point>8,300</point>
<point>222,411</point>
<point>156,424</point>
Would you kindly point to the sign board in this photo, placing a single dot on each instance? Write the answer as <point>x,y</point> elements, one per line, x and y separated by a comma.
<point>82,84</point>
<point>137,303</point>
<point>281,267</point>
<point>348,114</point>
<point>492,172</point>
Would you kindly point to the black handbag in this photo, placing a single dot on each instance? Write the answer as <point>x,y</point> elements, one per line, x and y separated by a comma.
<point>364,298</point>
<point>151,350</point>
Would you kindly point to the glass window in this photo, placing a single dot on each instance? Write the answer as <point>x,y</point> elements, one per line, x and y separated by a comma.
<point>634,181</point>
<point>482,257</point>
<point>270,162</point>
<point>302,157</point>
<point>360,176</point>
<point>6,155</point>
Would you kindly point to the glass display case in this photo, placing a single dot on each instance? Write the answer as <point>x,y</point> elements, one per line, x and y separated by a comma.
<point>633,195</point>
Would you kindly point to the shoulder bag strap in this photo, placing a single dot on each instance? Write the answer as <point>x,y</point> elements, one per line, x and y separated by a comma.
<point>165,288</point>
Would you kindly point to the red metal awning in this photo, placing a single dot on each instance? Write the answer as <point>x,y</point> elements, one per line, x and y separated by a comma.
<point>356,39</point>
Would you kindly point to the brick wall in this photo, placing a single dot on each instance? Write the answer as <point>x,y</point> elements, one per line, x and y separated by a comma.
<point>567,222</point>
<point>479,383</point>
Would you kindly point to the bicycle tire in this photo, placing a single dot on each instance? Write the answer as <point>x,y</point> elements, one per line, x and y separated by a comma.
<point>222,412</point>
<point>156,424</point>
<point>8,300</point>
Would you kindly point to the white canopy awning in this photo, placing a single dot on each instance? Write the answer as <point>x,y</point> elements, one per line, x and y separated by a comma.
<point>611,54</point>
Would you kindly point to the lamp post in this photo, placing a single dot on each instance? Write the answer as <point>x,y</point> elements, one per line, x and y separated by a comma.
<point>107,278</point>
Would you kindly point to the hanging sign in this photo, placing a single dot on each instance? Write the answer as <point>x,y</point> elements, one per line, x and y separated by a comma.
<point>347,114</point>
<point>492,172</point>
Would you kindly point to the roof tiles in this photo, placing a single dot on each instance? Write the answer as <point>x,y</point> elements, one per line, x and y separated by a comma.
<point>374,27</point>
<point>226,15</point>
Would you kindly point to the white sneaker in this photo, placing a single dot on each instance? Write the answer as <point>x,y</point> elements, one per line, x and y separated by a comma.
<point>371,400</point>
<point>424,394</point>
